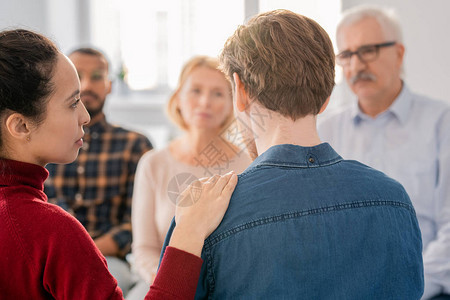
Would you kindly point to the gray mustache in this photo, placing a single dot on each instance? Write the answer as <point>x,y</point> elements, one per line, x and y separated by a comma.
<point>362,76</point>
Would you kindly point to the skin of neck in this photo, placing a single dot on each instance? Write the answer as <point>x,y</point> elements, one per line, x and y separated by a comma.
<point>280,130</point>
<point>19,150</point>
<point>196,140</point>
<point>277,129</point>
<point>378,104</point>
<point>8,152</point>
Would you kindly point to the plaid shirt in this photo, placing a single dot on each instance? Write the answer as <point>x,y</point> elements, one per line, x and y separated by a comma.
<point>97,187</point>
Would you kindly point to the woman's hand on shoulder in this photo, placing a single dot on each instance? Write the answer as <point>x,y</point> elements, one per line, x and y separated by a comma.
<point>200,209</point>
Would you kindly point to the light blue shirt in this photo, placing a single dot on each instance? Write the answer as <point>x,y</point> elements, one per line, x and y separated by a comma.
<point>409,142</point>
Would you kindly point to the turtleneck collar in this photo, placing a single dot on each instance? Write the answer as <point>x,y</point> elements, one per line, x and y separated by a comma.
<point>17,173</point>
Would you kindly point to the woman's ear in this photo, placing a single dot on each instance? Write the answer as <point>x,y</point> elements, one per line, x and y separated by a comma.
<point>18,126</point>
<point>242,100</point>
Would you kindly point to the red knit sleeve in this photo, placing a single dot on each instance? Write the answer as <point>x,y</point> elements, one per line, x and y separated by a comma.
<point>177,276</point>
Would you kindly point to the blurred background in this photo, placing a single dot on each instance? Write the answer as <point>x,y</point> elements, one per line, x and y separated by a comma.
<point>148,41</point>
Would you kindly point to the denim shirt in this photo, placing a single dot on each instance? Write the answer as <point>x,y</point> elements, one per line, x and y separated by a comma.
<point>409,142</point>
<point>305,224</point>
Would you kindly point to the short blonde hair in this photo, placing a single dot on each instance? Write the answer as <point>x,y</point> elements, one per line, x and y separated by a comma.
<point>172,109</point>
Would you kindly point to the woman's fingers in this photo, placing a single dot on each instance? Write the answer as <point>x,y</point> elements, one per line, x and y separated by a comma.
<point>223,181</point>
<point>213,179</point>
<point>231,184</point>
<point>203,179</point>
<point>210,188</point>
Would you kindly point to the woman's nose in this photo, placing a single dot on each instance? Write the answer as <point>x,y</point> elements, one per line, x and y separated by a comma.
<point>205,99</point>
<point>85,118</point>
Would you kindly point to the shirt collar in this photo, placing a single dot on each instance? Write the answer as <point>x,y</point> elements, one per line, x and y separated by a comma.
<point>402,105</point>
<point>400,108</point>
<point>288,155</point>
<point>356,114</point>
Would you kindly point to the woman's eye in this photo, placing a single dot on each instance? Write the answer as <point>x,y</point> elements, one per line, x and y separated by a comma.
<point>75,104</point>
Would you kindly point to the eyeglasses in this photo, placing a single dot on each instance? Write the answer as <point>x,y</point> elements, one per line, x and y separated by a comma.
<point>366,53</point>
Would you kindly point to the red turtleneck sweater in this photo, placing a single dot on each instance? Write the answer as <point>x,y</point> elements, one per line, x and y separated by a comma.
<point>45,253</point>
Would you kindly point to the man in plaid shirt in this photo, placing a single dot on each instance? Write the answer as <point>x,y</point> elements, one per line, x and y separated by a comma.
<point>97,187</point>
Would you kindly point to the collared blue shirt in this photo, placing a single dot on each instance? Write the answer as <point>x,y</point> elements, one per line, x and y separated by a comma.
<point>409,142</point>
<point>305,224</point>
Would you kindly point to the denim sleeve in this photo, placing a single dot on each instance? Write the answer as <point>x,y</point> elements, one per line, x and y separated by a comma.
<point>202,287</point>
<point>167,240</point>
<point>203,283</point>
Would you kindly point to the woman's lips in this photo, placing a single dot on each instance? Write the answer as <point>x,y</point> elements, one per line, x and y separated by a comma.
<point>204,115</point>
<point>79,142</point>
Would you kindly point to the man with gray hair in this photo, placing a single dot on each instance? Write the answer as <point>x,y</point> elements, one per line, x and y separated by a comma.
<point>405,135</point>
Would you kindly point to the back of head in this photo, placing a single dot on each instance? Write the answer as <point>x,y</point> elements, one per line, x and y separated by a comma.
<point>285,61</point>
<point>385,17</point>
<point>27,60</point>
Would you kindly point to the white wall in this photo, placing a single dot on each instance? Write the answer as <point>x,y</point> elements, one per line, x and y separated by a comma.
<point>24,13</point>
<point>66,22</point>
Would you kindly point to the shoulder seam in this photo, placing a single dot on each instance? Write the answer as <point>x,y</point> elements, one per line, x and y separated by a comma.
<point>211,241</point>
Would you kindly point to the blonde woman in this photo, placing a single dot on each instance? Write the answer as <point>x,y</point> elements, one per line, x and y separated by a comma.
<point>202,107</point>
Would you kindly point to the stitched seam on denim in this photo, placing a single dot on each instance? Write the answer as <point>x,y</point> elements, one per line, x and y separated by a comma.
<point>248,172</point>
<point>291,166</point>
<point>286,216</point>
<point>209,271</point>
<point>288,165</point>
